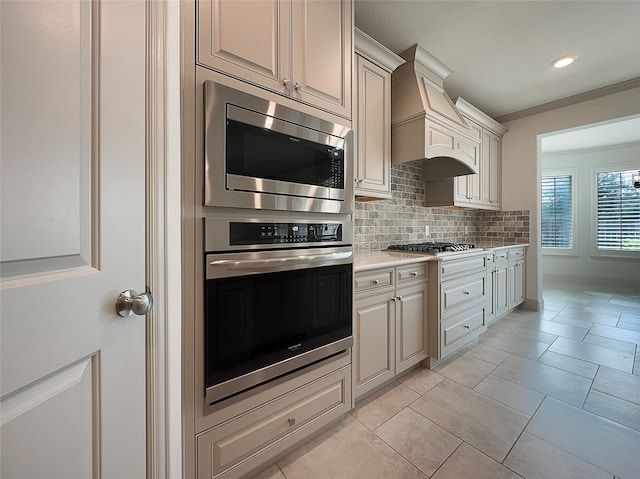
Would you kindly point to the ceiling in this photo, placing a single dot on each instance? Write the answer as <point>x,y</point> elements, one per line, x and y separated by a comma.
<point>500,51</point>
<point>623,131</point>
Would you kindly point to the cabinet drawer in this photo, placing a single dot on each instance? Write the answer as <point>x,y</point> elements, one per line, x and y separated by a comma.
<point>501,255</point>
<point>464,265</point>
<point>239,441</point>
<point>459,326</point>
<point>464,290</point>
<point>410,273</point>
<point>375,279</point>
<point>516,253</point>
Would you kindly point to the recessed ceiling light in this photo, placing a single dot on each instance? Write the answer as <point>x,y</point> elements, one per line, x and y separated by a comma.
<point>563,61</point>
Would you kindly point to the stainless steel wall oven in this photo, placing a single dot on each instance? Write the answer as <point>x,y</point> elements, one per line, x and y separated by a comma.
<point>278,298</point>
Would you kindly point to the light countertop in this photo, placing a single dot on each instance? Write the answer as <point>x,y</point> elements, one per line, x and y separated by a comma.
<point>366,260</point>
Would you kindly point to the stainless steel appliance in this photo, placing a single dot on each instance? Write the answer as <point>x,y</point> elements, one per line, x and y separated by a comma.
<point>437,248</point>
<point>278,298</point>
<point>263,155</point>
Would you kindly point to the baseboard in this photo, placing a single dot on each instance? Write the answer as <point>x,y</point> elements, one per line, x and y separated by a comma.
<point>532,305</point>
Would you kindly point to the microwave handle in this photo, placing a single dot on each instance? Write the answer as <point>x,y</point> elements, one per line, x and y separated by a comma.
<point>279,264</point>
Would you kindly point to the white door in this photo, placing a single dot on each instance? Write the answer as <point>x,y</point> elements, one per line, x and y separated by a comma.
<point>72,378</point>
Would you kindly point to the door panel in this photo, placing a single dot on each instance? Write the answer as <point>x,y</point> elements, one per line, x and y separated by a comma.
<point>72,379</point>
<point>62,402</point>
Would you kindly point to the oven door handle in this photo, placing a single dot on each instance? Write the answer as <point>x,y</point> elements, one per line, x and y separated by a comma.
<point>283,263</point>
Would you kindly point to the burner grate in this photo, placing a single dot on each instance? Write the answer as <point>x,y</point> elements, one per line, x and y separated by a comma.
<point>432,247</point>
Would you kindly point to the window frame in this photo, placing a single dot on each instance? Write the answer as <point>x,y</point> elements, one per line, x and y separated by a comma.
<point>595,251</point>
<point>573,173</point>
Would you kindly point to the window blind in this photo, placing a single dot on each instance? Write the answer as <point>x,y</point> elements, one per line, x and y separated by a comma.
<point>618,212</point>
<point>557,211</point>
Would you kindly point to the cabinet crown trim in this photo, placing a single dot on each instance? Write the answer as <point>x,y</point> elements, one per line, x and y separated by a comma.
<point>480,117</point>
<point>376,52</point>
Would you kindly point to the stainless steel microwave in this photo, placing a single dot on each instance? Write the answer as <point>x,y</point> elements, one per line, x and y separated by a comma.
<point>260,154</point>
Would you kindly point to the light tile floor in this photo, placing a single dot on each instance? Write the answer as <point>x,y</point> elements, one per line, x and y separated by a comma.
<point>554,394</point>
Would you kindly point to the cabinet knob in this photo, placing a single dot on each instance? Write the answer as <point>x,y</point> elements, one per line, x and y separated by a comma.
<point>399,298</point>
<point>376,281</point>
<point>466,327</point>
<point>466,292</point>
<point>394,299</point>
<point>292,421</point>
<point>297,86</point>
<point>286,82</point>
<point>414,273</point>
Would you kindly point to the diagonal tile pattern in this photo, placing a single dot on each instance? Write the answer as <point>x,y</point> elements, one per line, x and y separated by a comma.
<point>550,394</point>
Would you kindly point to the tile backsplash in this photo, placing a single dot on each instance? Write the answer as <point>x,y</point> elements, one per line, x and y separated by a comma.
<point>402,219</point>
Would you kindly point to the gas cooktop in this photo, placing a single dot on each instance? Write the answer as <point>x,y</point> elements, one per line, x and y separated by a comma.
<point>433,248</point>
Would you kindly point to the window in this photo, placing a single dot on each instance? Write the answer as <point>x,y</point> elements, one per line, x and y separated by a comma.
<point>557,211</point>
<point>618,211</point>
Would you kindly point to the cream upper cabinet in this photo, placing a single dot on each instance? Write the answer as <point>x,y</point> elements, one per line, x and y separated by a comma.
<point>299,48</point>
<point>468,188</point>
<point>372,117</point>
<point>491,169</point>
<point>484,148</point>
<point>490,134</point>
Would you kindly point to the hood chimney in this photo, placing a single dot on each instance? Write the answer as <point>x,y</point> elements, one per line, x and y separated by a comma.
<point>425,123</point>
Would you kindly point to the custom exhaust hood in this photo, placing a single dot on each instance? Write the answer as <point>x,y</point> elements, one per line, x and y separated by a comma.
<point>425,123</point>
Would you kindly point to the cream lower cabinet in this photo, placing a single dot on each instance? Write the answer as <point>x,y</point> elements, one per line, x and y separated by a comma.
<point>254,431</point>
<point>516,276</point>
<point>507,267</point>
<point>500,296</point>
<point>389,325</point>
<point>302,48</point>
<point>457,303</point>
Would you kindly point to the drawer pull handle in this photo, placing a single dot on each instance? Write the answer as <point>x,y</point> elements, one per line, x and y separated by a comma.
<point>466,292</point>
<point>466,327</point>
<point>292,421</point>
<point>414,273</point>
<point>376,281</point>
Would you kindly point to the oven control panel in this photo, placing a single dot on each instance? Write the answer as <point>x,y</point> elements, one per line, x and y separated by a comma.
<point>241,233</point>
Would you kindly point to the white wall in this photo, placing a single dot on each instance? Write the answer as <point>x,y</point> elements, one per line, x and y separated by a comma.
<point>521,168</point>
<point>583,268</point>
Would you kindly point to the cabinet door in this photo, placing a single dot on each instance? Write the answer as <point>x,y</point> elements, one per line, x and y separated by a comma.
<point>249,40</point>
<point>468,187</point>
<point>373,348</point>
<point>322,53</point>
<point>491,155</point>
<point>511,277</point>
<point>516,283</point>
<point>501,286</point>
<point>411,326</point>
<point>461,194</point>
<point>373,114</point>
<point>490,307</point>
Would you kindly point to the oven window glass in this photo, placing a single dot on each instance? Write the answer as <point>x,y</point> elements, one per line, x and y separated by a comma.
<point>261,153</point>
<point>258,320</point>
